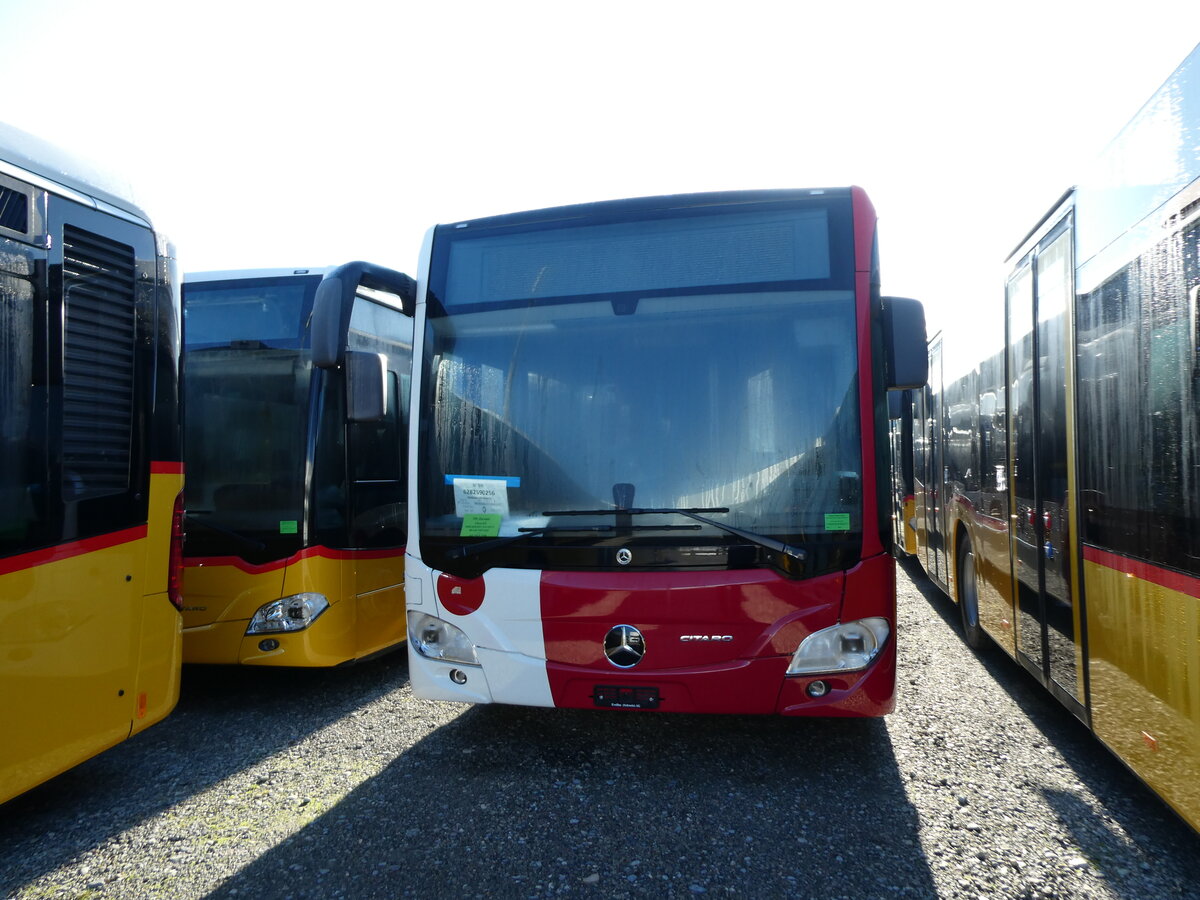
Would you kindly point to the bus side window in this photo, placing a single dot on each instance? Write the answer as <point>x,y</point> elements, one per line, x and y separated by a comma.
<point>376,470</point>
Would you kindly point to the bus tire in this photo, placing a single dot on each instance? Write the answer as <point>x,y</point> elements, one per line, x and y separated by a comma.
<point>968,595</point>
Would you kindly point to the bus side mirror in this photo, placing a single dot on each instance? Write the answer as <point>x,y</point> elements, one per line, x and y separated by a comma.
<point>328,334</point>
<point>366,386</point>
<point>335,297</point>
<point>906,356</point>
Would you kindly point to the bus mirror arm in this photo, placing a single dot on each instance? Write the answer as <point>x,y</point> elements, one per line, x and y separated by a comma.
<point>335,298</point>
<point>904,343</point>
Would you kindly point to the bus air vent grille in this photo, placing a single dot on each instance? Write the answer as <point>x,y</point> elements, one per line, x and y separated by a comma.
<point>98,348</point>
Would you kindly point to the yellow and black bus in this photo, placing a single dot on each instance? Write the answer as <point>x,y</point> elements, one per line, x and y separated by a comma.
<point>296,391</point>
<point>90,472</point>
<point>1057,473</point>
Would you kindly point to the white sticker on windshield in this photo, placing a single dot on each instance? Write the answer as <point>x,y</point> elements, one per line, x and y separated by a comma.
<point>480,496</point>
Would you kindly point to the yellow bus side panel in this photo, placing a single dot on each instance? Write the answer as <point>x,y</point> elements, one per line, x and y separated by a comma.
<point>1144,649</point>
<point>381,616</point>
<point>159,664</point>
<point>162,641</point>
<point>69,636</point>
<point>994,562</point>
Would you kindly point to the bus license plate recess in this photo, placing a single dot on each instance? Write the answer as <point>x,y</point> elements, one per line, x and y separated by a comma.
<point>614,696</point>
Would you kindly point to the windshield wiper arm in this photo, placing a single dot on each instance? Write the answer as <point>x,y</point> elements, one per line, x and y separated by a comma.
<point>797,553</point>
<point>464,550</point>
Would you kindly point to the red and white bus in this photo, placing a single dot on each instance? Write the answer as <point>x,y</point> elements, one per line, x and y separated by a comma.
<point>650,463</point>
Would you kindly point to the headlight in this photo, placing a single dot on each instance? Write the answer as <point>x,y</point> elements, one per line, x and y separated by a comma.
<point>294,613</point>
<point>842,648</point>
<point>434,638</point>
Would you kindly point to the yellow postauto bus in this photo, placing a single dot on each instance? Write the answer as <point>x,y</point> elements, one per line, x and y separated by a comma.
<point>295,410</point>
<point>90,472</point>
<point>1057,450</point>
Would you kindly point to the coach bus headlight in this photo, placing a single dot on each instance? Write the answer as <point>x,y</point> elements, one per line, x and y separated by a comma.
<point>294,613</point>
<point>842,648</point>
<point>435,638</point>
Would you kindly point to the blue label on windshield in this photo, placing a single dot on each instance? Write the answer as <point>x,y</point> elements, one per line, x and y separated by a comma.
<point>509,481</point>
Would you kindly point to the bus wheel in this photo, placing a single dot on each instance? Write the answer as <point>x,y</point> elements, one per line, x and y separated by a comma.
<point>968,595</point>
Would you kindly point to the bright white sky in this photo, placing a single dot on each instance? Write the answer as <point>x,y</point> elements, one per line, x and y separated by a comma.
<point>298,133</point>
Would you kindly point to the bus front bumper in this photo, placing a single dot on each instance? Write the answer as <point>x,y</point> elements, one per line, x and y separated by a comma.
<point>740,687</point>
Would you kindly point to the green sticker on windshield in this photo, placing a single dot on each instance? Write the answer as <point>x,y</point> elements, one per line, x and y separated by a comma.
<point>288,526</point>
<point>480,525</point>
<point>837,521</point>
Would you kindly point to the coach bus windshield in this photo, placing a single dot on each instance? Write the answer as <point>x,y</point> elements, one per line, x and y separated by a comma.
<point>695,359</point>
<point>246,407</point>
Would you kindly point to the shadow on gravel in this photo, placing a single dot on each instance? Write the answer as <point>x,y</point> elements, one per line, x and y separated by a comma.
<point>217,729</point>
<point>510,801</point>
<point>1130,807</point>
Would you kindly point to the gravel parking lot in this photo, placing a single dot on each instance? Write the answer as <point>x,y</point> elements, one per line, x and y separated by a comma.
<point>269,783</point>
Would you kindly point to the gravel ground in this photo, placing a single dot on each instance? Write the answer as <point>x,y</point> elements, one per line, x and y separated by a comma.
<point>267,783</point>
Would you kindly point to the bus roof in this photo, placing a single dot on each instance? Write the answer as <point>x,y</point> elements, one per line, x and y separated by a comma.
<point>666,201</point>
<point>238,274</point>
<point>29,158</point>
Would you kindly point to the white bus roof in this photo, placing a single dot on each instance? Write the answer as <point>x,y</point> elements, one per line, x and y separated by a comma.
<point>29,158</point>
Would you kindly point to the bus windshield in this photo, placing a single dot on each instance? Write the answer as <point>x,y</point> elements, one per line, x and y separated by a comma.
<point>245,433</point>
<point>246,407</point>
<point>648,365</point>
<point>273,311</point>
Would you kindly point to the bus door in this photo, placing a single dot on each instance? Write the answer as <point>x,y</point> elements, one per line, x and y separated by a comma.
<point>1048,633</point>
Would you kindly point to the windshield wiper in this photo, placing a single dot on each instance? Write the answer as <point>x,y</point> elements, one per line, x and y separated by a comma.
<point>465,550</point>
<point>797,553</point>
<point>192,516</point>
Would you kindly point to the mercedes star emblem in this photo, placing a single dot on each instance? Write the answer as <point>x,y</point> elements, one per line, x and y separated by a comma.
<point>624,646</point>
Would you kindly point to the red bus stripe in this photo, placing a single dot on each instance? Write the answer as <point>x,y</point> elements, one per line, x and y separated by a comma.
<point>70,549</point>
<point>1168,578</point>
<point>307,553</point>
<point>165,467</point>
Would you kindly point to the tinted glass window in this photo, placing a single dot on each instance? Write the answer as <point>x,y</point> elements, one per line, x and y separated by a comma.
<point>665,254</point>
<point>378,450</point>
<point>1138,399</point>
<point>22,453</point>
<point>273,311</point>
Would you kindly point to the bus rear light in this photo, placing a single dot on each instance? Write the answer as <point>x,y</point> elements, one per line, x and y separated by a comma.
<point>294,613</point>
<point>175,555</point>
<point>842,648</point>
